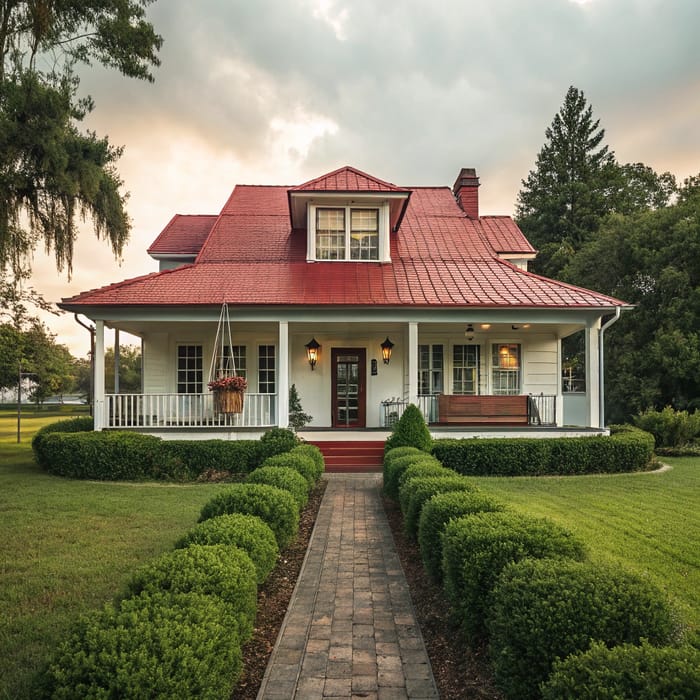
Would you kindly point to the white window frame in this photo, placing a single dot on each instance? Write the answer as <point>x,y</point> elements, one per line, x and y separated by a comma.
<point>382,209</point>
<point>506,377</point>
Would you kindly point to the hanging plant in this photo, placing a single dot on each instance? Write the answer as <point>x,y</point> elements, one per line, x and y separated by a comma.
<point>239,384</point>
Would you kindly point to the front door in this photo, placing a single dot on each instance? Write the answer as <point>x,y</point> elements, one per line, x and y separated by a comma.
<point>348,387</point>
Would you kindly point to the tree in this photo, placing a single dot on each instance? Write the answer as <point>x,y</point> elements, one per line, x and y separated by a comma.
<point>650,259</point>
<point>297,418</point>
<point>576,183</point>
<point>51,364</point>
<point>11,351</point>
<point>129,369</point>
<point>50,172</point>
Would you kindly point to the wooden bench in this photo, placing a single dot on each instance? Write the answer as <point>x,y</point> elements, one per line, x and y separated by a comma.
<point>466,410</point>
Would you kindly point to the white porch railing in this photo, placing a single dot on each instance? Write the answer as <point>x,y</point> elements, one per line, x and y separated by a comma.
<point>165,411</point>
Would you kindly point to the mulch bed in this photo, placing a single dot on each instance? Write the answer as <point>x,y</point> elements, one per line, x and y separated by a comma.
<point>459,672</point>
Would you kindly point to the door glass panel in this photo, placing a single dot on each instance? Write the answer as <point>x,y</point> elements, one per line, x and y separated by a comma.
<point>347,389</point>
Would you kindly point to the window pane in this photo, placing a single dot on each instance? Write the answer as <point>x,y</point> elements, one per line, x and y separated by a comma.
<point>266,369</point>
<point>330,234</point>
<point>189,369</point>
<point>429,369</point>
<point>465,369</point>
<point>505,361</point>
<point>364,234</point>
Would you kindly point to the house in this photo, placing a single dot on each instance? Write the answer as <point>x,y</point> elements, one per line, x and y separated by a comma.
<point>366,296</point>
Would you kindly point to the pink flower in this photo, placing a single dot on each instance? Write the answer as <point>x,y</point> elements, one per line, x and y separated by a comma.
<point>228,384</point>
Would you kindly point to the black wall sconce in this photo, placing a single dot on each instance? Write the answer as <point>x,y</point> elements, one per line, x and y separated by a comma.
<point>312,348</point>
<point>386,347</point>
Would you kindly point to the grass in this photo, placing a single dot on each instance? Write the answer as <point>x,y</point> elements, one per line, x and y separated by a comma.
<point>69,546</point>
<point>647,522</point>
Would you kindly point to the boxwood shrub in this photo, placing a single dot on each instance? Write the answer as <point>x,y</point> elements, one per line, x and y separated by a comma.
<point>626,672</point>
<point>315,453</point>
<point>477,547</point>
<point>275,441</point>
<point>184,645</point>
<point>219,570</point>
<point>302,463</point>
<point>248,532</point>
<point>422,469</point>
<point>397,466</point>
<point>283,478</point>
<point>410,430</point>
<point>194,457</point>
<point>395,453</point>
<point>435,515</point>
<point>541,610</point>
<point>625,449</point>
<point>415,492</point>
<point>276,507</point>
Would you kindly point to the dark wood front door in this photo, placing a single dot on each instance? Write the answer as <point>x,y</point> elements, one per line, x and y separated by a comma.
<point>348,387</point>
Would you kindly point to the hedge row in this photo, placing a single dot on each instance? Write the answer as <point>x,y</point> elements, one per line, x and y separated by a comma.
<point>179,630</point>
<point>626,449</point>
<point>524,584</point>
<point>66,448</point>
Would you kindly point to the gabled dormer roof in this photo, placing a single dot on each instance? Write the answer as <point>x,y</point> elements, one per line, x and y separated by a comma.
<point>344,182</point>
<point>183,236</point>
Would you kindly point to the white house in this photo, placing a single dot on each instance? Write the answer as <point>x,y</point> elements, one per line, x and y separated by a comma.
<point>397,295</point>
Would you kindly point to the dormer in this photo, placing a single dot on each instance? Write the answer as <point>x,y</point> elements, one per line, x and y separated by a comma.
<point>181,240</point>
<point>347,215</point>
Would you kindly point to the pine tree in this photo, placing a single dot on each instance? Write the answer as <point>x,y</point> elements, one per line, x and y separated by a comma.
<point>564,198</point>
<point>297,418</point>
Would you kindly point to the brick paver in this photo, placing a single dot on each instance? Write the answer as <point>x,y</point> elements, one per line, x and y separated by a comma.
<point>350,631</point>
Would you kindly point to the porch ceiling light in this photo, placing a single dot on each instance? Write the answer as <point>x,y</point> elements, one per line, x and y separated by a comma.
<point>312,348</point>
<point>470,329</point>
<point>386,347</point>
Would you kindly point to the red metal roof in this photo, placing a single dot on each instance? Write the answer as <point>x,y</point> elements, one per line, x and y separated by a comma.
<point>347,179</point>
<point>184,235</point>
<point>439,256</point>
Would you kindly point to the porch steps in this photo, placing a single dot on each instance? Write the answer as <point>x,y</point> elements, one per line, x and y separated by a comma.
<point>351,456</point>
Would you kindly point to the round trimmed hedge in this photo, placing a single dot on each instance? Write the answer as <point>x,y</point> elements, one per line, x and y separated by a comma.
<point>476,548</point>
<point>423,469</point>
<point>542,610</point>
<point>219,570</point>
<point>315,453</point>
<point>304,464</point>
<point>395,467</point>
<point>247,532</point>
<point>163,645</point>
<point>283,478</point>
<point>274,506</point>
<point>435,515</point>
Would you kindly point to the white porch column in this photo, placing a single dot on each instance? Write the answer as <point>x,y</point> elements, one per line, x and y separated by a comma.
<point>99,378</point>
<point>283,383</point>
<point>593,374</point>
<point>413,362</point>
<point>116,360</point>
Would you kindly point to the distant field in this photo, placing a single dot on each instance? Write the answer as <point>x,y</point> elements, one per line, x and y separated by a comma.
<point>646,522</point>
<point>69,546</point>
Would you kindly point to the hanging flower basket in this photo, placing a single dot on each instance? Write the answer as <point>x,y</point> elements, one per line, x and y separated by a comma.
<point>228,394</point>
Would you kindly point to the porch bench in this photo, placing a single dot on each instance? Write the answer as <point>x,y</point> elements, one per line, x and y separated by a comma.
<point>464,410</point>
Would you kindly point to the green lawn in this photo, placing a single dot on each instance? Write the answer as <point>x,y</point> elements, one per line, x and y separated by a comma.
<point>69,546</point>
<point>647,522</point>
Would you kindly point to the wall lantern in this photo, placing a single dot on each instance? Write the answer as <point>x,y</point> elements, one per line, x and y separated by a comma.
<point>312,348</point>
<point>386,350</point>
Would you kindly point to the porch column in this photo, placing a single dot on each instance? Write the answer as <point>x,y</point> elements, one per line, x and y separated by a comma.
<point>99,378</point>
<point>116,360</point>
<point>593,374</point>
<point>283,384</point>
<point>413,362</point>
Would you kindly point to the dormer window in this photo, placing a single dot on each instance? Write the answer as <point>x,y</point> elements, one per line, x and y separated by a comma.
<point>347,233</point>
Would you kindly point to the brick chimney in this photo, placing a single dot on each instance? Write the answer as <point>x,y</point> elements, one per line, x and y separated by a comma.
<point>466,192</point>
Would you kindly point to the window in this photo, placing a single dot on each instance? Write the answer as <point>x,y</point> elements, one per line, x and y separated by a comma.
<point>266,369</point>
<point>237,366</point>
<point>335,240</point>
<point>430,367</point>
<point>465,369</point>
<point>505,362</point>
<point>189,369</point>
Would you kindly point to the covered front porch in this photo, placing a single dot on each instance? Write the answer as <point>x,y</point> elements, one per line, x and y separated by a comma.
<point>472,373</point>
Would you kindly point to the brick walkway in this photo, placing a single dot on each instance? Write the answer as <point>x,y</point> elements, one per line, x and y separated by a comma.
<point>350,631</point>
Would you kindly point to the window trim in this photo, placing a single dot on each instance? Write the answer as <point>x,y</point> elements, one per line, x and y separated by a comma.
<point>198,383</point>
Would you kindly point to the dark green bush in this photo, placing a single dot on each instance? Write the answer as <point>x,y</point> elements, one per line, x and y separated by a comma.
<point>275,506</point>
<point>195,457</point>
<point>394,454</point>
<point>104,456</point>
<point>541,610</point>
<point>398,466</point>
<point>248,532</point>
<point>623,451</point>
<point>626,672</point>
<point>304,464</point>
<point>161,646</point>
<point>410,430</point>
<point>82,424</point>
<point>283,478</point>
<point>670,428</point>
<point>477,547</point>
<point>218,570</point>
<point>435,515</point>
<point>415,492</point>
<point>315,453</point>
<point>275,441</point>
<point>424,469</point>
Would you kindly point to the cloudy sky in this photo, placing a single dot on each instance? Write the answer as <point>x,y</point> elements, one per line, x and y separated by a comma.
<point>281,91</point>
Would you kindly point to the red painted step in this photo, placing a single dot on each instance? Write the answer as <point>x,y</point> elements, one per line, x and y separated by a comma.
<point>351,456</point>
